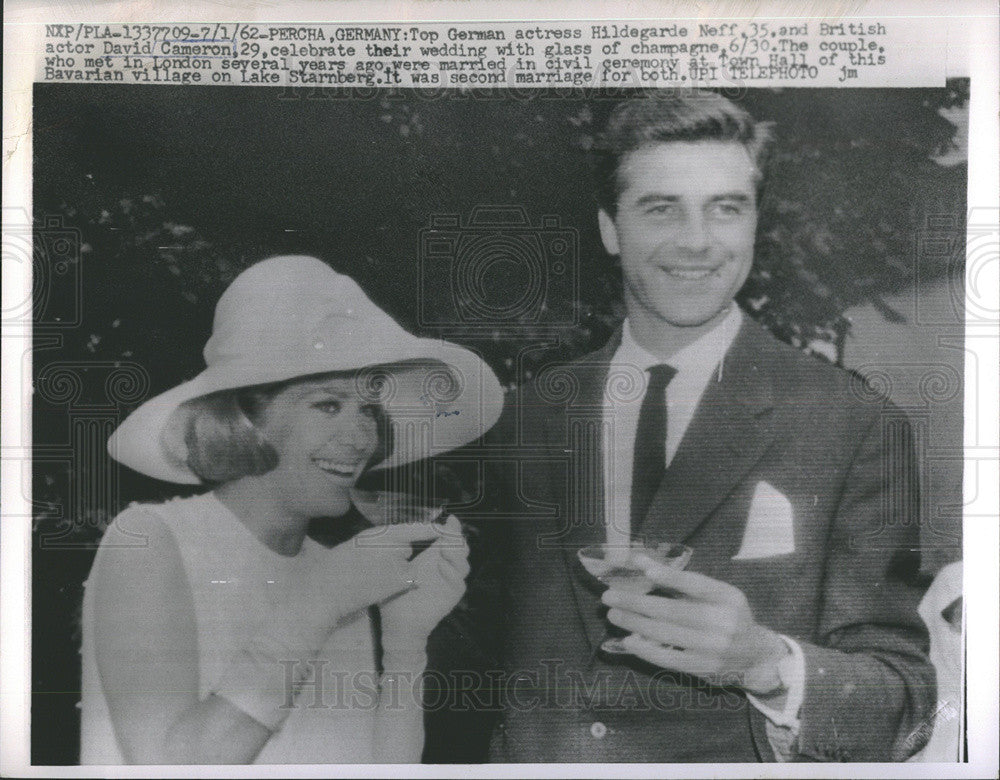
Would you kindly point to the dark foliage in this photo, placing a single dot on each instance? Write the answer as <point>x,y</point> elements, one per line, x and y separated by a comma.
<point>174,191</point>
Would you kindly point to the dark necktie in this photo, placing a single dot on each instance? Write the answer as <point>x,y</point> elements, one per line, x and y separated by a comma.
<point>650,454</point>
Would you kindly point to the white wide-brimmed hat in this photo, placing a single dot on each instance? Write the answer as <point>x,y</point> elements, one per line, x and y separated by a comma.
<point>294,316</point>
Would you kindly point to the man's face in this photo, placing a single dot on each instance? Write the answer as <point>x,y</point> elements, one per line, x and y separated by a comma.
<point>684,229</point>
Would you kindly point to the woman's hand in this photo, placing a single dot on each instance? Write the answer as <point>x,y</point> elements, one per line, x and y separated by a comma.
<point>374,565</point>
<point>439,574</point>
<point>367,569</point>
<point>407,620</point>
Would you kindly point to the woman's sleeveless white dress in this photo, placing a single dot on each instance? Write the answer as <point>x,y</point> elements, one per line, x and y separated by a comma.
<point>235,580</point>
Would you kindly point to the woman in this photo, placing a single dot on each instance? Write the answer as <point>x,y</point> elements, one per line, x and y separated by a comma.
<point>215,629</point>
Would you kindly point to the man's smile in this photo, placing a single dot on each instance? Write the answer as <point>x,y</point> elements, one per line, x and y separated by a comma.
<point>692,273</point>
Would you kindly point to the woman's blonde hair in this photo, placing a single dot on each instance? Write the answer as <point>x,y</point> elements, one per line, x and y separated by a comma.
<point>223,443</point>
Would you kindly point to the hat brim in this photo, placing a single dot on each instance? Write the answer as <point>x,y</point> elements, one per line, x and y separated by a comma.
<point>438,396</point>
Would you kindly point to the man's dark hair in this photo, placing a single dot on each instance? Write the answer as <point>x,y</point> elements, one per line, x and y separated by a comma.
<point>700,116</point>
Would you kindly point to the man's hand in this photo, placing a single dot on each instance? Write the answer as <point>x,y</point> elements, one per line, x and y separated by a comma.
<point>708,630</point>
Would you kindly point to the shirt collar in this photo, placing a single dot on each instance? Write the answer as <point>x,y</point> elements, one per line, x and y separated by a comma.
<point>707,351</point>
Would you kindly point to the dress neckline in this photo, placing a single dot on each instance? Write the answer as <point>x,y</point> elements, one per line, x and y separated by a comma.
<point>308,544</point>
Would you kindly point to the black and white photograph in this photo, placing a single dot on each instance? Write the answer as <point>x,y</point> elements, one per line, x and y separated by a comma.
<point>570,425</point>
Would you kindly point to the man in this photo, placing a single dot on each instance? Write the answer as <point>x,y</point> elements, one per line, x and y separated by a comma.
<point>793,634</point>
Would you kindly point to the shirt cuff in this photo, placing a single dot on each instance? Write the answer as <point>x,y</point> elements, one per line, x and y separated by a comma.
<point>792,671</point>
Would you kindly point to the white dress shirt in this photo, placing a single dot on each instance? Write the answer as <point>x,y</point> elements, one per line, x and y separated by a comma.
<point>696,365</point>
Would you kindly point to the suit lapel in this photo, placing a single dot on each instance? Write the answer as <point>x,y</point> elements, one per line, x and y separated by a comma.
<point>578,432</point>
<point>574,436</point>
<point>729,433</point>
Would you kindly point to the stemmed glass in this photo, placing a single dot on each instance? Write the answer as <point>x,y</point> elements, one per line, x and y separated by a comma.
<point>618,567</point>
<point>386,507</point>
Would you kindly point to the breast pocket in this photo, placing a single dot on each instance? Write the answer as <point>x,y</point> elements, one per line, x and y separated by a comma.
<point>769,531</point>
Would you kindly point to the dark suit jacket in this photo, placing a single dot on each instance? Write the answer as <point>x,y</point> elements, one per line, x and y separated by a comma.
<point>844,459</point>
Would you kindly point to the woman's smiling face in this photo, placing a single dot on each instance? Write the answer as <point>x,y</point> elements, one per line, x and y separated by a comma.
<point>324,434</point>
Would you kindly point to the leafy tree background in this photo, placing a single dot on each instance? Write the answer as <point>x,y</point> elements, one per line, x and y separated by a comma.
<point>174,191</point>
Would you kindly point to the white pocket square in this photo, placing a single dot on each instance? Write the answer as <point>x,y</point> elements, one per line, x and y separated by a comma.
<point>770,525</point>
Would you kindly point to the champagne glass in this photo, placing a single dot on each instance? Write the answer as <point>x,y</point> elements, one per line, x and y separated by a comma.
<point>618,567</point>
<point>386,507</point>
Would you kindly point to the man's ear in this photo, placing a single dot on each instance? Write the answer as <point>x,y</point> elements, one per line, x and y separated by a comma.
<point>609,233</point>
